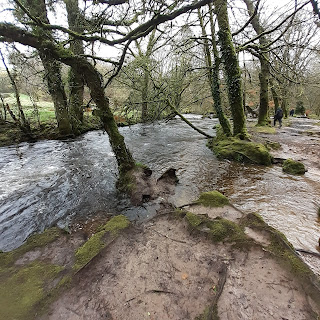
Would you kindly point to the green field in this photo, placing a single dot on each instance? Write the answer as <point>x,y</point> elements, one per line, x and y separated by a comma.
<point>44,108</point>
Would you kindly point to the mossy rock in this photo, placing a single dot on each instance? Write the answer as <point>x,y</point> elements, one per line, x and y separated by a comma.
<point>293,167</point>
<point>22,290</point>
<point>212,199</point>
<point>240,151</point>
<point>193,219</point>
<point>225,230</point>
<point>273,145</point>
<point>34,241</point>
<point>96,243</point>
<point>218,229</point>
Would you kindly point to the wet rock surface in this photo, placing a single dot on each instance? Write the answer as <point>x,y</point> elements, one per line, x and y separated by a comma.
<point>166,270</point>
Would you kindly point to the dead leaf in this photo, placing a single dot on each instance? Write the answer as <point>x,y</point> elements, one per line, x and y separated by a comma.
<point>184,276</point>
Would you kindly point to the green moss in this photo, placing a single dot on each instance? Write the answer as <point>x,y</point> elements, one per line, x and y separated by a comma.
<point>95,244</point>
<point>273,145</point>
<point>116,224</point>
<point>225,230</point>
<point>264,129</point>
<point>34,241</point>
<point>89,250</point>
<point>141,165</point>
<point>193,219</point>
<point>293,167</point>
<point>209,314</point>
<point>240,150</point>
<point>21,291</point>
<point>212,199</point>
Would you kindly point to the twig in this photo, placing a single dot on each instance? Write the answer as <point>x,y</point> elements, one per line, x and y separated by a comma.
<point>220,286</point>
<point>163,235</point>
<point>315,254</point>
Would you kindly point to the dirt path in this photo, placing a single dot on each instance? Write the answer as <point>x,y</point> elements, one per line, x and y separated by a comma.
<point>171,268</point>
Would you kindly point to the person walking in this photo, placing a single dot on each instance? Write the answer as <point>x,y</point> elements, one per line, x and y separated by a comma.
<point>278,117</point>
<point>291,112</point>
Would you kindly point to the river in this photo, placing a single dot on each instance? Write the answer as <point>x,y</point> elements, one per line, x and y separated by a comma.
<point>56,182</point>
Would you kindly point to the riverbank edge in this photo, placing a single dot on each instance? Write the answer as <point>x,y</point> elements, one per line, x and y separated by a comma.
<point>33,276</point>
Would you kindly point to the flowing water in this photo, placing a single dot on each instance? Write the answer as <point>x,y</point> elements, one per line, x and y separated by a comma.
<point>55,182</point>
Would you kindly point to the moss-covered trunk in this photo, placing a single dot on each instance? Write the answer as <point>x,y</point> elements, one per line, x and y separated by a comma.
<point>232,69</point>
<point>93,80</point>
<point>263,117</point>
<point>76,81</point>
<point>285,102</point>
<point>52,69</point>
<point>53,76</point>
<point>213,72</point>
<point>144,96</point>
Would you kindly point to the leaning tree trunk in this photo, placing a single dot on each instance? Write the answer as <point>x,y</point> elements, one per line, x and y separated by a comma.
<point>23,124</point>
<point>76,81</point>
<point>93,80</point>
<point>92,77</point>
<point>232,69</point>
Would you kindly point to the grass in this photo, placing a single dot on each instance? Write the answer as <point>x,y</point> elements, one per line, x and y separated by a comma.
<point>44,108</point>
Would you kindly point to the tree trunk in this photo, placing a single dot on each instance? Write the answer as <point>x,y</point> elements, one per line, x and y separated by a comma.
<point>232,70</point>
<point>213,73</point>
<point>263,117</point>
<point>92,77</point>
<point>284,102</point>
<point>56,89</point>
<point>144,96</point>
<point>275,95</point>
<point>76,82</point>
<point>52,69</point>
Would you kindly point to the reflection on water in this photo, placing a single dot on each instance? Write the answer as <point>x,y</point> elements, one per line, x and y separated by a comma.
<point>51,182</point>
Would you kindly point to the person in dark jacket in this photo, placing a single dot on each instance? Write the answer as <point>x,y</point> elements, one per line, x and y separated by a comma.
<point>291,112</point>
<point>278,117</point>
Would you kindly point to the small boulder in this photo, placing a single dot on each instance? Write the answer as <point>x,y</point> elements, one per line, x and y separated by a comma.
<point>293,167</point>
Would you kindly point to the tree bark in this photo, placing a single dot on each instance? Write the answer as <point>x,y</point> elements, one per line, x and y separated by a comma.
<point>263,117</point>
<point>124,158</point>
<point>175,111</point>
<point>53,76</point>
<point>275,95</point>
<point>232,69</point>
<point>52,69</point>
<point>92,77</point>
<point>76,81</point>
<point>213,73</point>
